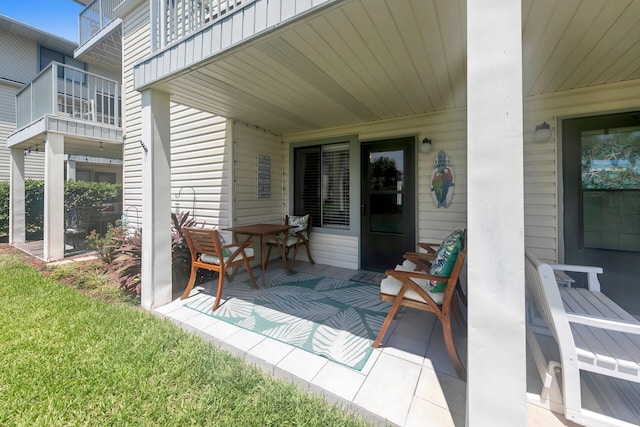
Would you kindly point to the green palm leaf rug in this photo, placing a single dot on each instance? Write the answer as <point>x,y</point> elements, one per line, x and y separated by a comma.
<point>334,318</point>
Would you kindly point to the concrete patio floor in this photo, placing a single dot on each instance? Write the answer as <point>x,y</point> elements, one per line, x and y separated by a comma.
<point>408,381</point>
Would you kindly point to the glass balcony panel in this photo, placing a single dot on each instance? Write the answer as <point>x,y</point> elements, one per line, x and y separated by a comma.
<point>97,15</point>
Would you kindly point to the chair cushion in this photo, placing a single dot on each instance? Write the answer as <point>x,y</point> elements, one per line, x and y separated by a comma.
<point>445,259</point>
<point>300,222</point>
<point>272,241</point>
<point>225,251</point>
<point>213,259</point>
<point>391,286</point>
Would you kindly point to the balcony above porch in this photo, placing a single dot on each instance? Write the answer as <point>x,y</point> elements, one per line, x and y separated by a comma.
<point>68,101</point>
<point>100,34</point>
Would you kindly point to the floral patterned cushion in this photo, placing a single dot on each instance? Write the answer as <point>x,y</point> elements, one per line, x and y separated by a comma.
<point>300,222</point>
<point>446,257</point>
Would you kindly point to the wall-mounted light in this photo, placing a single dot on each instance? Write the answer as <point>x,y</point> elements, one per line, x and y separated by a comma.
<point>542,132</point>
<point>426,146</point>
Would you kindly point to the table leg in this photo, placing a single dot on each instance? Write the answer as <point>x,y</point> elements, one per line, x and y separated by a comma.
<point>262,261</point>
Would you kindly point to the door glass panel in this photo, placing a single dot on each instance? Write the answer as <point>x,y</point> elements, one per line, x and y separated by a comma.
<point>385,190</point>
<point>611,188</point>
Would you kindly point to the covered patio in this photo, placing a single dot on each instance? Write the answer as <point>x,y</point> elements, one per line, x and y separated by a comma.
<point>475,77</point>
<point>408,381</point>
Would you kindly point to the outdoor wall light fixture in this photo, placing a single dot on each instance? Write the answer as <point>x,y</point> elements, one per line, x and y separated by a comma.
<point>426,146</point>
<point>542,133</point>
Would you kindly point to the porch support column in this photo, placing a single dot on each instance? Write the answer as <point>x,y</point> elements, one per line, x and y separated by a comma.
<point>71,170</point>
<point>54,197</point>
<point>156,200</point>
<point>496,385</point>
<point>17,223</point>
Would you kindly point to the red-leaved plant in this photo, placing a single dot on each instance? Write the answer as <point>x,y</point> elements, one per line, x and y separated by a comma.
<point>128,260</point>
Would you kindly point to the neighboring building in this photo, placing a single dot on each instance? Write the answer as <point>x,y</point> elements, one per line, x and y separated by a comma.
<point>65,124</point>
<point>24,52</point>
<point>21,50</point>
<point>317,94</point>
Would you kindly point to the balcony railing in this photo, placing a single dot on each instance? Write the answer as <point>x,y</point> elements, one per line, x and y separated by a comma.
<point>97,15</point>
<point>173,20</point>
<point>69,92</point>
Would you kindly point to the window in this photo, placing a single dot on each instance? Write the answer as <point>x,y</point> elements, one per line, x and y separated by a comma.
<point>106,108</point>
<point>321,184</point>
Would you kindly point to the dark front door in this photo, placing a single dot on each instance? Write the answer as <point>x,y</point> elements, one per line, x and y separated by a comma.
<point>601,172</point>
<point>388,202</point>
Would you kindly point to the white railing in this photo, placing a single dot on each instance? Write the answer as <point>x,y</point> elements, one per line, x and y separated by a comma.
<point>173,20</point>
<point>93,18</point>
<point>69,92</point>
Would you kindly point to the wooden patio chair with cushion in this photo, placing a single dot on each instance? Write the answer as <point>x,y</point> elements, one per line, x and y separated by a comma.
<point>209,251</point>
<point>436,291</point>
<point>296,237</point>
<point>423,260</point>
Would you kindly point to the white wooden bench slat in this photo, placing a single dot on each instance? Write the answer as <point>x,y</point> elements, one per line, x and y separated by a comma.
<point>593,334</point>
<point>614,396</point>
<point>609,347</point>
<point>593,346</point>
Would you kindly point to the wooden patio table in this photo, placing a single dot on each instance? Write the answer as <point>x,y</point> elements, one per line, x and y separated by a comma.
<point>263,231</point>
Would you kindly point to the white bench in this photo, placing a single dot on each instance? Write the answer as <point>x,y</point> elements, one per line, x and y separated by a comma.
<point>593,334</point>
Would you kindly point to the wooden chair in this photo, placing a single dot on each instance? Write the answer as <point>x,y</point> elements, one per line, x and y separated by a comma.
<point>423,260</point>
<point>408,287</point>
<point>296,237</point>
<point>207,250</point>
<point>77,223</point>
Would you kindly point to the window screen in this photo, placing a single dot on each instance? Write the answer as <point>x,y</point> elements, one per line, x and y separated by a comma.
<point>321,184</point>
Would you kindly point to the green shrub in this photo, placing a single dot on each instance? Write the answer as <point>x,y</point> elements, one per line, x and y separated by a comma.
<point>107,245</point>
<point>4,207</point>
<point>34,208</point>
<point>82,194</point>
<point>77,194</point>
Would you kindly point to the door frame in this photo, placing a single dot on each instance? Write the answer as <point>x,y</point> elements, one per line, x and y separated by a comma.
<point>414,193</point>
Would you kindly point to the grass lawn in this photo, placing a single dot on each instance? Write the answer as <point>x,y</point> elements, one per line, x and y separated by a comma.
<point>67,358</point>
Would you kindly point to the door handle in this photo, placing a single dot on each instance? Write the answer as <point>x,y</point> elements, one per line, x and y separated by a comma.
<point>364,210</point>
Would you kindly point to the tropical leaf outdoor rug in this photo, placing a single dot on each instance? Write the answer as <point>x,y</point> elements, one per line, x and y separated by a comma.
<point>333,318</point>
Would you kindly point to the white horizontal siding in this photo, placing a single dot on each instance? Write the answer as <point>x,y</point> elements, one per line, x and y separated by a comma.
<point>248,143</point>
<point>331,249</point>
<point>106,72</point>
<point>18,57</point>
<point>200,165</point>
<point>34,162</point>
<point>135,46</point>
<point>543,192</point>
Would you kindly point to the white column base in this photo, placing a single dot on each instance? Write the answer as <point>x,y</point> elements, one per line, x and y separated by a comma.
<point>54,197</point>
<point>156,200</point>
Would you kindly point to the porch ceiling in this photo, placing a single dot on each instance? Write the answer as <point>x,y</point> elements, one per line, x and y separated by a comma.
<point>369,60</point>
<point>105,48</point>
